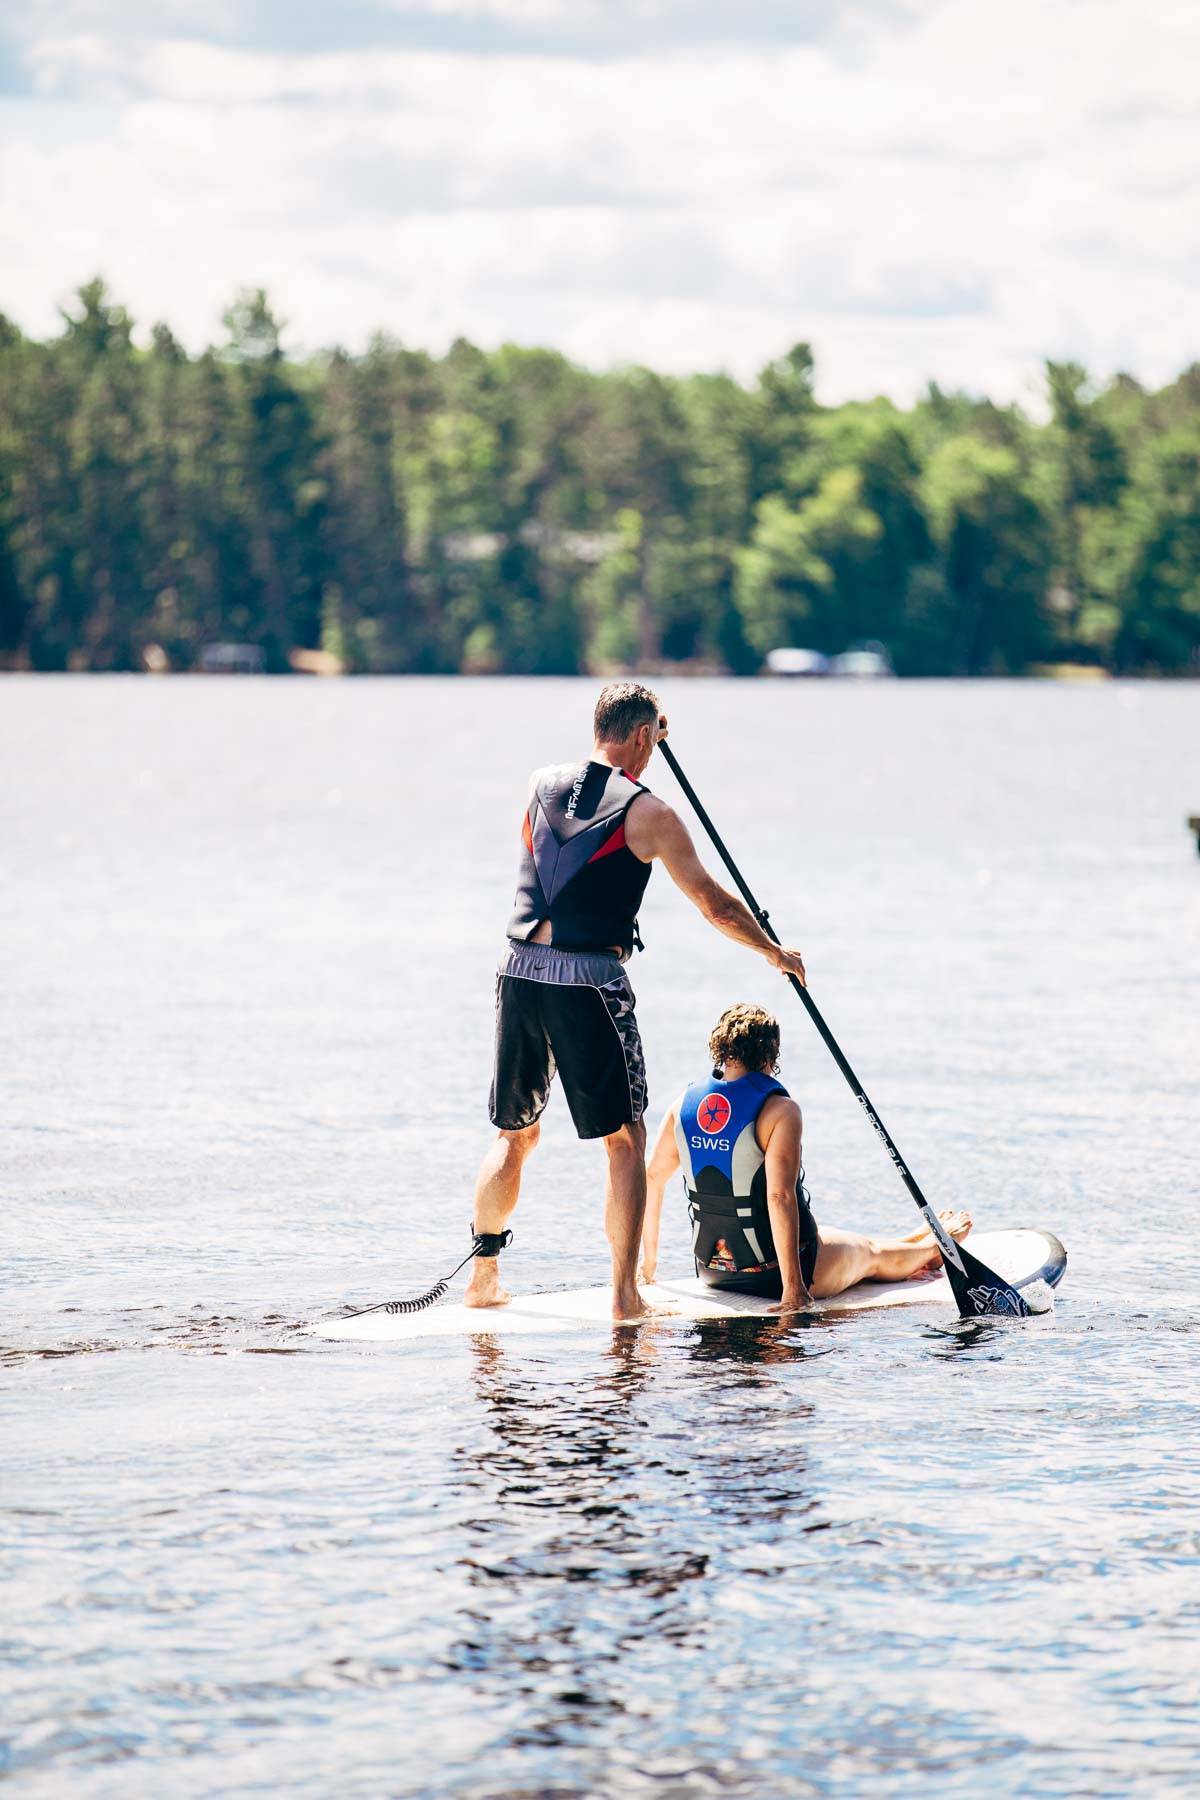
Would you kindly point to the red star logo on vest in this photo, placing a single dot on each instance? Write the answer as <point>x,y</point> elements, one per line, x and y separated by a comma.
<point>713,1112</point>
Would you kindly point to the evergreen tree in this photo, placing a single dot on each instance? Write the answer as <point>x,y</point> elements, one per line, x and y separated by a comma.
<point>508,511</point>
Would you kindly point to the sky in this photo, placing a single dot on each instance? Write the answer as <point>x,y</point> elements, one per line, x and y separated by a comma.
<point>945,190</point>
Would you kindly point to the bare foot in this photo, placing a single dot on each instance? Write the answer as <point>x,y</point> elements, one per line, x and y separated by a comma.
<point>484,1288</point>
<point>629,1308</point>
<point>956,1222</point>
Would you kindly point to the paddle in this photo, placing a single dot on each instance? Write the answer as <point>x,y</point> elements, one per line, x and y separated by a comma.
<point>978,1290</point>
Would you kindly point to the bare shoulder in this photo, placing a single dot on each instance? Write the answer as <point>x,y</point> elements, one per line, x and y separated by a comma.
<point>778,1110</point>
<point>651,826</point>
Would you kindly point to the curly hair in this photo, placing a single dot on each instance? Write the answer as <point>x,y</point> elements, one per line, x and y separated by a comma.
<point>745,1034</point>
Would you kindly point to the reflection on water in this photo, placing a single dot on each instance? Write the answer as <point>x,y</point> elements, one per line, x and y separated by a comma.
<point>599,1533</point>
<point>245,1032</point>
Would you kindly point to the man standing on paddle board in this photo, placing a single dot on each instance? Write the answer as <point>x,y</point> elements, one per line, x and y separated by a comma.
<point>737,1137</point>
<point>590,836</point>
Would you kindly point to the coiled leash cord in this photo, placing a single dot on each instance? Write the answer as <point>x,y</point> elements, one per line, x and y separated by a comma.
<point>485,1243</point>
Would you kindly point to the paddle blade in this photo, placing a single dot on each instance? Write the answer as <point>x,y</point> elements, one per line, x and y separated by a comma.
<point>978,1291</point>
<point>982,1294</point>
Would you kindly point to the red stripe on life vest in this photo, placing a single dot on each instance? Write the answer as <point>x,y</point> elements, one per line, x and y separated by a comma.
<point>615,842</point>
<point>527,832</point>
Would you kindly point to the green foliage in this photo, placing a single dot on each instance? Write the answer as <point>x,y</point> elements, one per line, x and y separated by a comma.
<point>510,512</point>
<point>992,554</point>
<point>1157,588</point>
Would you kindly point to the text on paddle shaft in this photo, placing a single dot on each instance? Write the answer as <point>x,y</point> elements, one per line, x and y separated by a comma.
<point>882,1135</point>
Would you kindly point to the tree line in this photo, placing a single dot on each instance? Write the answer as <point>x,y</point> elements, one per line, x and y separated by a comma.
<point>510,511</point>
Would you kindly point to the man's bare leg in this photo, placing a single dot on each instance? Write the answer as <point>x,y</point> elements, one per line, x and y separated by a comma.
<point>496,1193</point>
<point>844,1258</point>
<point>624,1209</point>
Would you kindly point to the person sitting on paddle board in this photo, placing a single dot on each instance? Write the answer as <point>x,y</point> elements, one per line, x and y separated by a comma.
<point>737,1138</point>
<point>589,837</point>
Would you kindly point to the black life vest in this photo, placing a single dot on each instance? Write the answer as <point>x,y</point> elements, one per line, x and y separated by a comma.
<point>576,869</point>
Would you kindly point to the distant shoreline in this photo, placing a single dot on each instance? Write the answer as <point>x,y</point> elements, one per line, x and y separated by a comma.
<point>509,512</point>
<point>1062,675</point>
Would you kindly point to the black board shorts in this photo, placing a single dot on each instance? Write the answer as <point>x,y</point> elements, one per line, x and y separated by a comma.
<point>568,1012</point>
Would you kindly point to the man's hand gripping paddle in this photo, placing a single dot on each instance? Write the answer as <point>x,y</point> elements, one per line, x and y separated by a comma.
<point>978,1290</point>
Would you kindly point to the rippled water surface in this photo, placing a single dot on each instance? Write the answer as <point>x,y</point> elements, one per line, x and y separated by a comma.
<point>248,932</point>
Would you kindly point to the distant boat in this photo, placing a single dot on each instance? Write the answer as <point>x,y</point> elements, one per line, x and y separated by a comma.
<point>863,662</point>
<point>797,662</point>
<point>232,659</point>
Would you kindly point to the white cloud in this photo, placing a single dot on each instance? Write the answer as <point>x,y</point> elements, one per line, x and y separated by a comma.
<point>976,187</point>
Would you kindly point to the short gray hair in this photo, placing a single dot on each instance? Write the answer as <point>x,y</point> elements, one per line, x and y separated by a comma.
<point>621,708</point>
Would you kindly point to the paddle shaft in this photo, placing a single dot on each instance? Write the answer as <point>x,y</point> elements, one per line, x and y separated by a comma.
<point>945,1241</point>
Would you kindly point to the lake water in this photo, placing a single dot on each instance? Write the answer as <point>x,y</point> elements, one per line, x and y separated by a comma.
<point>248,932</point>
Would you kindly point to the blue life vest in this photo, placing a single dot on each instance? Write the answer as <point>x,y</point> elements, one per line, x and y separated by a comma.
<point>724,1172</point>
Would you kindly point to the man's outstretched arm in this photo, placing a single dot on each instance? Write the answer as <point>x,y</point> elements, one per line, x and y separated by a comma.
<point>655,830</point>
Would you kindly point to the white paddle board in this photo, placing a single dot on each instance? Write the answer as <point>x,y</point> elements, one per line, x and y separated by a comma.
<point>1021,1257</point>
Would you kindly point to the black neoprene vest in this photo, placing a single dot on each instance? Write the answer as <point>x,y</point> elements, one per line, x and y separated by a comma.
<point>576,869</point>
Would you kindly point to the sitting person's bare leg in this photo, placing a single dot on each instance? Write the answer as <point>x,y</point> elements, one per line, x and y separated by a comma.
<point>957,1221</point>
<point>844,1258</point>
<point>923,1235</point>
